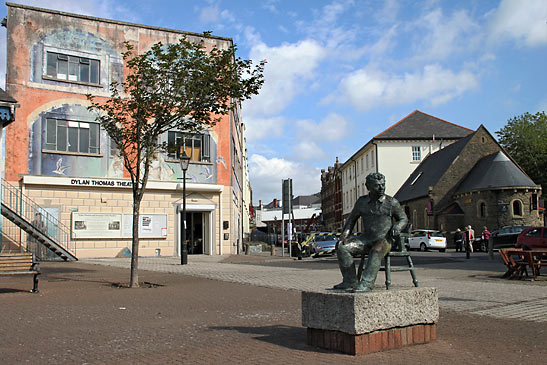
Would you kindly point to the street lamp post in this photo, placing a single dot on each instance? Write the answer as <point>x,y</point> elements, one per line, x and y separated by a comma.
<point>184,163</point>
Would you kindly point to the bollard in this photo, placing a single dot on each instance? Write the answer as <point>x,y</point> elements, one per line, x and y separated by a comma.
<point>272,247</point>
<point>247,249</point>
<point>158,252</point>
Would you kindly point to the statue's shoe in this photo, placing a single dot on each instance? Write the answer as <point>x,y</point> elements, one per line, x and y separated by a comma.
<point>344,285</point>
<point>362,288</point>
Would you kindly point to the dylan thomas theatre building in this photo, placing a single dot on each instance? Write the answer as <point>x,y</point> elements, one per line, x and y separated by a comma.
<point>59,156</point>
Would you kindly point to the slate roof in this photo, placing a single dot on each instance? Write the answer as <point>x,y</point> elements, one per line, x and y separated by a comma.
<point>430,171</point>
<point>419,125</point>
<point>494,171</point>
<point>5,97</point>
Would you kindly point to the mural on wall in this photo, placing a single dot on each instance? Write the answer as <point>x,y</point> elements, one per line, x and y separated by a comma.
<point>66,141</point>
<point>83,47</point>
<point>220,159</point>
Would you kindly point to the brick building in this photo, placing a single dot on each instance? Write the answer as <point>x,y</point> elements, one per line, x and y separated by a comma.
<point>61,157</point>
<point>471,182</point>
<point>331,198</point>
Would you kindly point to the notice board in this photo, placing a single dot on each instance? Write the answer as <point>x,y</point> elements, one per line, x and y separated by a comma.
<point>117,225</point>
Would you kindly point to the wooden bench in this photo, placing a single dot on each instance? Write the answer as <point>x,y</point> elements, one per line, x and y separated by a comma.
<point>20,264</point>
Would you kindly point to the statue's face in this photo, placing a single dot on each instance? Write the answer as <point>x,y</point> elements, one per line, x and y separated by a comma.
<point>376,187</point>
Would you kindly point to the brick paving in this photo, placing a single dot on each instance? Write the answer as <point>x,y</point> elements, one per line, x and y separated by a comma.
<point>471,286</point>
<point>249,313</point>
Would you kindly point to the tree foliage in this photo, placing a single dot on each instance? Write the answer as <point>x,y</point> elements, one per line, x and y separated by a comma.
<point>525,139</point>
<point>181,86</point>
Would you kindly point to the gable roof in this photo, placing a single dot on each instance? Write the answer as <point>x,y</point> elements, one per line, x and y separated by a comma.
<point>430,171</point>
<point>419,125</point>
<point>5,97</point>
<point>494,171</point>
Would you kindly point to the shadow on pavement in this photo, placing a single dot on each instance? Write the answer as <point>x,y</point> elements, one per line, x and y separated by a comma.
<point>285,336</point>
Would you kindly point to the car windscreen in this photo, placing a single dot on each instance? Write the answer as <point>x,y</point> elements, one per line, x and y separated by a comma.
<point>436,234</point>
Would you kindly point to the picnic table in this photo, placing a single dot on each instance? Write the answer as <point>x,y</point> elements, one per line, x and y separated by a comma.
<point>518,261</point>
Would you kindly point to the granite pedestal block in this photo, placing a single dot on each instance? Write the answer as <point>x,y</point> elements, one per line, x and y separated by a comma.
<point>369,322</point>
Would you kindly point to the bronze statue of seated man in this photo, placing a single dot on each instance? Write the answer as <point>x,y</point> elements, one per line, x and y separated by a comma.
<point>383,219</point>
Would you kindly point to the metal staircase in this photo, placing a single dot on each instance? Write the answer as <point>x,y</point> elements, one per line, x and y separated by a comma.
<point>51,233</point>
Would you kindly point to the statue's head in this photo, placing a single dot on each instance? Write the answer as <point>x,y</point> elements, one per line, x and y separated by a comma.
<point>376,183</point>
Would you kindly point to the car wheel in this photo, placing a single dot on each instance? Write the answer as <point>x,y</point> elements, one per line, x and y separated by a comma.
<point>423,247</point>
<point>483,247</point>
<point>442,250</point>
<point>407,247</point>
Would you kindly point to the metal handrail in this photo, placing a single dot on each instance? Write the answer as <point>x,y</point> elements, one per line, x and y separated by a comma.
<point>26,208</point>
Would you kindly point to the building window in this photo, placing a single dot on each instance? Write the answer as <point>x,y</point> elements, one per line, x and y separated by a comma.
<point>517,208</point>
<point>196,146</point>
<point>482,209</point>
<point>72,136</point>
<point>372,158</point>
<point>71,68</point>
<point>416,153</point>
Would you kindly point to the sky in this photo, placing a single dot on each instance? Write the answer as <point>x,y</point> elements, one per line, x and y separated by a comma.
<point>340,72</point>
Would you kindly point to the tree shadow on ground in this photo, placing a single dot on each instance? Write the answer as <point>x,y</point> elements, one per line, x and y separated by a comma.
<point>287,336</point>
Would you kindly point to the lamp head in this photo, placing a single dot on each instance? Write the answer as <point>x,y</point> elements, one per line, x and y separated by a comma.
<point>184,160</point>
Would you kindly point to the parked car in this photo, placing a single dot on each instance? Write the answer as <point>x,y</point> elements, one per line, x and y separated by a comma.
<point>533,237</point>
<point>425,239</point>
<point>506,237</point>
<point>323,242</point>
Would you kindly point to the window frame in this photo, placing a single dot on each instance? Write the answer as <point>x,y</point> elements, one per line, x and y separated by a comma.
<point>204,146</point>
<point>521,208</point>
<point>50,143</point>
<point>416,153</point>
<point>72,59</point>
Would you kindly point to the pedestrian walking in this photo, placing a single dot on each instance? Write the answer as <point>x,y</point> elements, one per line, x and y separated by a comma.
<point>458,240</point>
<point>485,237</point>
<point>470,237</point>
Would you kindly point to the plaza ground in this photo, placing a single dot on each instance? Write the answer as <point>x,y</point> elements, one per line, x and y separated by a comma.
<point>246,309</point>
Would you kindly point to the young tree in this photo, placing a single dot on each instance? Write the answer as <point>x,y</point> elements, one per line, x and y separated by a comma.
<point>525,138</point>
<point>178,86</point>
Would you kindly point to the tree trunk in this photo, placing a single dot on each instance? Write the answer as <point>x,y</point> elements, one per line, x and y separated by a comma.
<point>134,280</point>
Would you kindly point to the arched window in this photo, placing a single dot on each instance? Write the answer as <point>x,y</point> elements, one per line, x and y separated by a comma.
<point>482,209</point>
<point>517,208</point>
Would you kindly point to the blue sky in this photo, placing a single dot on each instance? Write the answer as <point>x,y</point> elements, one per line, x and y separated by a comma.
<point>341,71</point>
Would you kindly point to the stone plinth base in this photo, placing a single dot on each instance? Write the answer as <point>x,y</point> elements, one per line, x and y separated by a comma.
<point>369,322</point>
<point>372,342</point>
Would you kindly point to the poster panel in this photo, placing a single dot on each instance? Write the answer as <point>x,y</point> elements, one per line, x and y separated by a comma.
<point>96,225</point>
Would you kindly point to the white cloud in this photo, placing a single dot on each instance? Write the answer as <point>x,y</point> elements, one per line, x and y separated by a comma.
<point>308,150</point>
<point>266,176</point>
<point>368,88</point>
<point>388,13</point>
<point>263,127</point>
<point>523,21</point>
<point>439,35</point>
<point>213,14</point>
<point>332,128</point>
<point>289,69</point>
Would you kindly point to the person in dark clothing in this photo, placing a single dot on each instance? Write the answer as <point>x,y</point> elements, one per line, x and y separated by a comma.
<point>458,240</point>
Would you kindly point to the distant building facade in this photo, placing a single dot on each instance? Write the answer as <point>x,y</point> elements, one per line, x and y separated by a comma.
<point>471,182</point>
<point>64,160</point>
<point>331,198</point>
<point>395,153</point>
